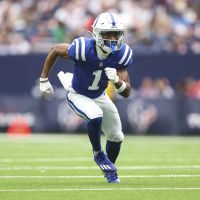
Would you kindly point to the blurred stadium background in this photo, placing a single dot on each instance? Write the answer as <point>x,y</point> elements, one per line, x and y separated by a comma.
<point>165,100</point>
<point>164,36</point>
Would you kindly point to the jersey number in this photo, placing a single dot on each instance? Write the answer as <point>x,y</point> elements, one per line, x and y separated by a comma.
<point>96,80</point>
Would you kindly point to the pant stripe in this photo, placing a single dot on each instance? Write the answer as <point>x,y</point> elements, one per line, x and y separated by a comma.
<point>78,111</point>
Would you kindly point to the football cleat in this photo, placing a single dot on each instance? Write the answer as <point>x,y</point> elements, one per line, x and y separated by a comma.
<point>104,163</point>
<point>112,177</point>
<point>108,168</point>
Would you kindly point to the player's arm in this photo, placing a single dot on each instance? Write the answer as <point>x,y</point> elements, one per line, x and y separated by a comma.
<point>58,50</point>
<point>120,79</point>
<point>123,86</point>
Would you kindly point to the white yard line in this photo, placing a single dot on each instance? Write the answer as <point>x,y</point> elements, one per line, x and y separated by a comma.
<point>77,159</point>
<point>91,177</point>
<point>83,159</point>
<point>29,168</point>
<point>93,189</point>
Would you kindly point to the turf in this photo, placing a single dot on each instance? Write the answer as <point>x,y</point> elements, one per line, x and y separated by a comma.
<point>47,167</point>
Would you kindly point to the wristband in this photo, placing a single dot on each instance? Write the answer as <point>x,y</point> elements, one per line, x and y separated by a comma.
<point>43,80</point>
<point>122,88</point>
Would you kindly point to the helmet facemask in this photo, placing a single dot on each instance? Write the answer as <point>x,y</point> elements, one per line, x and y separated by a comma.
<point>111,45</point>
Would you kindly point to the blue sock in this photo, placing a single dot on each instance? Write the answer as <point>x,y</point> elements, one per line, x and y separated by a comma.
<point>94,133</point>
<point>112,150</point>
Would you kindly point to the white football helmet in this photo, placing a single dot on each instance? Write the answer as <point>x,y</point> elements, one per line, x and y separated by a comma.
<point>104,23</point>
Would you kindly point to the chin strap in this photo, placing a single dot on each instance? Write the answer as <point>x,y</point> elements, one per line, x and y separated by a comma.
<point>101,55</point>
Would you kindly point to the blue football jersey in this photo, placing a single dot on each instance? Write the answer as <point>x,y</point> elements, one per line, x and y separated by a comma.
<point>89,76</point>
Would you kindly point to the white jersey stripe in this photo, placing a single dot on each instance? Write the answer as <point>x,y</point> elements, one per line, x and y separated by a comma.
<point>83,49</point>
<point>129,57</point>
<point>125,54</point>
<point>77,49</point>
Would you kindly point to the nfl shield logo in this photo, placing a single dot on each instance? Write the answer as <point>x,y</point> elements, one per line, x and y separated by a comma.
<point>101,64</point>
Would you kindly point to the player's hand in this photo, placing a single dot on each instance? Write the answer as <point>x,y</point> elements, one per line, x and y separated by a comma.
<point>46,87</point>
<point>111,73</point>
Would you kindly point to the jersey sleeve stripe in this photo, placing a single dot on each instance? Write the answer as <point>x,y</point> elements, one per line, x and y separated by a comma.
<point>130,55</point>
<point>83,49</point>
<point>124,56</point>
<point>77,49</point>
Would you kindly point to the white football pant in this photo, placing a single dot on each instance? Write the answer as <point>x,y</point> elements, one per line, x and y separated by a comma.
<point>98,107</point>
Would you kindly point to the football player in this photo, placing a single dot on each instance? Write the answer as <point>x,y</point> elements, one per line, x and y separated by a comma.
<point>97,60</point>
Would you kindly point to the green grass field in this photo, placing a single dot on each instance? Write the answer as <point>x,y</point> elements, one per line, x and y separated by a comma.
<point>46,167</point>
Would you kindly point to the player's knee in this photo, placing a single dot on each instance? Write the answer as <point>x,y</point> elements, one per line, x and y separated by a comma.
<point>119,138</point>
<point>98,113</point>
<point>116,137</point>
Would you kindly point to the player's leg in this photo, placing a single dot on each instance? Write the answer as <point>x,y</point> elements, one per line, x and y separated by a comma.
<point>88,109</point>
<point>112,150</point>
<point>111,127</point>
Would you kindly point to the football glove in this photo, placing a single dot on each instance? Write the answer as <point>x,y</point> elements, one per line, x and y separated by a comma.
<point>46,87</point>
<point>111,73</point>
